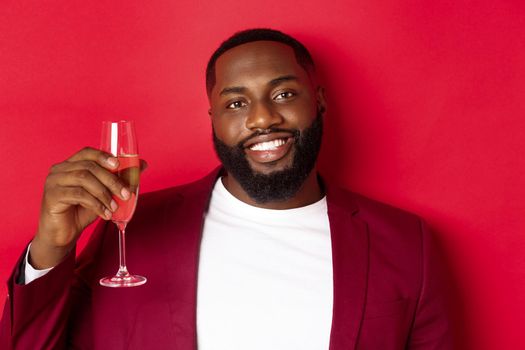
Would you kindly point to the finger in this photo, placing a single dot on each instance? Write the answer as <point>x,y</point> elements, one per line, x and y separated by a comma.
<point>79,196</point>
<point>105,159</point>
<point>86,180</point>
<point>105,177</point>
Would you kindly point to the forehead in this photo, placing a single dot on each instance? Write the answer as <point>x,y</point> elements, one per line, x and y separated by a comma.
<point>256,61</point>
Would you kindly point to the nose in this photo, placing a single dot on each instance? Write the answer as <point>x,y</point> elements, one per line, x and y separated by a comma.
<point>262,117</point>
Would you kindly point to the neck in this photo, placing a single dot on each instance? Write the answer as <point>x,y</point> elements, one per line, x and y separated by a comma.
<point>310,192</point>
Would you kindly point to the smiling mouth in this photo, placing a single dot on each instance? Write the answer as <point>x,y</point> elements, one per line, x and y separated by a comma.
<point>269,145</point>
<point>269,151</point>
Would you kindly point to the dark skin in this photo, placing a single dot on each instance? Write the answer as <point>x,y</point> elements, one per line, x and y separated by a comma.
<point>76,192</point>
<point>260,85</point>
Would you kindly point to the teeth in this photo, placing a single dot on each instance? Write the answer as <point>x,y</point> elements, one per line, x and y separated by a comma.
<point>267,146</point>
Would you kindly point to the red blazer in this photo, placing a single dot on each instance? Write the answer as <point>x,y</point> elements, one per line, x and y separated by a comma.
<point>387,291</point>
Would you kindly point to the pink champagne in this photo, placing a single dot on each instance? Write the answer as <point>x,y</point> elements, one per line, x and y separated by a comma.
<point>129,172</point>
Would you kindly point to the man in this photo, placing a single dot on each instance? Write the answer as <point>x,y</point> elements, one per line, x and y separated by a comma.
<point>260,254</point>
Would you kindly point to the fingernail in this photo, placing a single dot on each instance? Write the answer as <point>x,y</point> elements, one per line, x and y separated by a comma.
<point>112,161</point>
<point>125,193</point>
<point>107,214</point>
<point>113,205</point>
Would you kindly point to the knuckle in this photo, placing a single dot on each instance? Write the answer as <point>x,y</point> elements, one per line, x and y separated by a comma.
<point>91,165</point>
<point>77,192</point>
<point>49,179</point>
<point>82,174</point>
<point>52,182</point>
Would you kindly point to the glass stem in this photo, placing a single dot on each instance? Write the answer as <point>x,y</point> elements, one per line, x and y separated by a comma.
<point>122,270</point>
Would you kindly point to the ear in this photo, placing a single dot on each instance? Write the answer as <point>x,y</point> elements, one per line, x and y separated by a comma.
<point>321,99</point>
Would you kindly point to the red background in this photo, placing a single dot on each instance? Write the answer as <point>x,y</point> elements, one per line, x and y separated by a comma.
<point>426,102</point>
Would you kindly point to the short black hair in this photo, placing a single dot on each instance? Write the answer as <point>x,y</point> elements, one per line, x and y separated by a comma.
<point>302,55</point>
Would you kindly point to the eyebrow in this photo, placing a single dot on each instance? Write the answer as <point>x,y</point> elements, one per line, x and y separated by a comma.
<point>232,90</point>
<point>284,78</point>
<point>241,89</point>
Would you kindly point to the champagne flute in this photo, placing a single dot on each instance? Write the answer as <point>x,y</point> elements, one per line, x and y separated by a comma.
<point>119,139</point>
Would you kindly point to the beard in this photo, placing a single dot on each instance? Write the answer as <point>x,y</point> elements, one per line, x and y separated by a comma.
<point>279,185</point>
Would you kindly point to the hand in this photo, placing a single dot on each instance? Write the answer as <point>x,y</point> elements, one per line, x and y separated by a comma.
<point>76,192</point>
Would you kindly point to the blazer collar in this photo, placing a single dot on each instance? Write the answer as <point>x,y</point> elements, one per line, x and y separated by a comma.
<point>350,250</point>
<point>185,219</point>
<point>349,237</point>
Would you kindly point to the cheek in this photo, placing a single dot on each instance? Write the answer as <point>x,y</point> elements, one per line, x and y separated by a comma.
<point>228,129</point>
<point>300,116</point>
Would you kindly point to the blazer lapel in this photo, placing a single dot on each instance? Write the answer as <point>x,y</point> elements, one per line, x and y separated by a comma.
<point>185,218</point>
<point>350,249</point>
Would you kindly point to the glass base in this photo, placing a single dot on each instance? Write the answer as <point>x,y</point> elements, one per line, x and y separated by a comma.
<point>123,281</point>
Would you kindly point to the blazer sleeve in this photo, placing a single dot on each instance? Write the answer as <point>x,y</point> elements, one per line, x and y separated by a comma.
<point>431,328</point>
<point>38,315</point>
<point>35,315</point>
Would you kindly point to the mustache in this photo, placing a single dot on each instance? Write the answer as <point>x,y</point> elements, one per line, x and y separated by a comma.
<point>294,132</point>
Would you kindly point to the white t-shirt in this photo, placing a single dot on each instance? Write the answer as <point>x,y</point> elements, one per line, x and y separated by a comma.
<point>265,277</point>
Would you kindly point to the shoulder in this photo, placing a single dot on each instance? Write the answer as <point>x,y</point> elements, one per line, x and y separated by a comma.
<point>396,241</point>
<point>390,230</point>
<point>370,210</point>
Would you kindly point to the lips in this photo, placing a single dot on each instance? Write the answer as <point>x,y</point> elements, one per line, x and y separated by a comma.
<point>269,147</point>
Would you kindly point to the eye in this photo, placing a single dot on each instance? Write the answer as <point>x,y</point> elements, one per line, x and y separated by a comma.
<point>236,105</point>
<point>284,95</point>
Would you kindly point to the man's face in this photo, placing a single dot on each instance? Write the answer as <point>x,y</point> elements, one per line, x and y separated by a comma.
<point>263,108</point>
